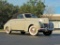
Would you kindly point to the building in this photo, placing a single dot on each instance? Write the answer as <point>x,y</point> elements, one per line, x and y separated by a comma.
<point>55,19</point>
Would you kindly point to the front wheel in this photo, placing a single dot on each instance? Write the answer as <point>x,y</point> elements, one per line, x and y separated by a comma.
<point>48,33</point>
<point>33,31</point>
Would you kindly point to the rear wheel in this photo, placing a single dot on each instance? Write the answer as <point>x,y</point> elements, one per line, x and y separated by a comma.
<point>48,33</point>
<point>33,31</point>
<point>7,30</point>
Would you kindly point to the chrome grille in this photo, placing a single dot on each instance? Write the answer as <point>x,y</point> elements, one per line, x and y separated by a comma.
<point>45,25</point>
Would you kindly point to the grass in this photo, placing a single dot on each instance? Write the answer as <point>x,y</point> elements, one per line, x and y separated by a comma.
<point>1,30</point>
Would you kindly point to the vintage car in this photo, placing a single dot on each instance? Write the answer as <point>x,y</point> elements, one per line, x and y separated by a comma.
<point>28,23</point>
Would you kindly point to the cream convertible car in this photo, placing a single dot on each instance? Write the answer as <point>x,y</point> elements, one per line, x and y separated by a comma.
<point>27,23</point>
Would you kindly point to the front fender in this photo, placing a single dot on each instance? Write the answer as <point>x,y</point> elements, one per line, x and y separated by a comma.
<point>35,24</point>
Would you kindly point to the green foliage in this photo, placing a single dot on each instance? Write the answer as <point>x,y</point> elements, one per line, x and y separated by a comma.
<point>7,10</point>
<point>33,6</point>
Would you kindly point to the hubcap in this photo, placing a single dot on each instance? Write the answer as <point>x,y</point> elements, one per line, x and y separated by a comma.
<point>33,30</point>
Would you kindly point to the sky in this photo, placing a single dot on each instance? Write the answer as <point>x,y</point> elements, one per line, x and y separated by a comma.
<point>54,4</point>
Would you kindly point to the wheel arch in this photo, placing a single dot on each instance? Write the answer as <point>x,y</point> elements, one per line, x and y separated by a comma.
<point>7,27</point>
<point>30,26</point>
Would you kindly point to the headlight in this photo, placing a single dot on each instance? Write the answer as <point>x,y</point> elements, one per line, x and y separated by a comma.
<point>41,20</point>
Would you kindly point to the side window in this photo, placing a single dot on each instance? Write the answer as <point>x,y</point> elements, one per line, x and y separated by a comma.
<point>20,16</point>
<point>34,16</point>
<point>27,15</point>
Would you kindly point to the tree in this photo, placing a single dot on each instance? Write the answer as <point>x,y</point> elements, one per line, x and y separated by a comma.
<point>33,6</point>
<point>50,10</point>
<point>7,10</point>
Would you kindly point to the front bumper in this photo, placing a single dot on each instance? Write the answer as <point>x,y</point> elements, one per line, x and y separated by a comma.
<point>46,29</point>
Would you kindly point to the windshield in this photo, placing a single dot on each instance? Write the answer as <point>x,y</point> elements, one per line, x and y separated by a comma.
<point>30,16</point>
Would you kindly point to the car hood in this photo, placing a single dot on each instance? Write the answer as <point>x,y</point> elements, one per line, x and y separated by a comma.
<point>43,20</point>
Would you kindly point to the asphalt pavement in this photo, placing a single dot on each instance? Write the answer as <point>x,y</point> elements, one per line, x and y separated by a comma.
<point>19,39</point>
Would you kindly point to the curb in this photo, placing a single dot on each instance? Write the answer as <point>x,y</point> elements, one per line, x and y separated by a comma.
<point>56,31</point>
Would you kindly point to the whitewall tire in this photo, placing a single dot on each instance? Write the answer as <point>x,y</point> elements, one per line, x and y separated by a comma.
<point>33,31</point>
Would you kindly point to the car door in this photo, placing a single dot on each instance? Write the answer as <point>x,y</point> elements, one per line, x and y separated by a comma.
<point>20,22</point>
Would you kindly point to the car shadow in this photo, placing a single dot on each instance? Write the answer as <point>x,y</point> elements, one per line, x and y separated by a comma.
<point>39,35</point>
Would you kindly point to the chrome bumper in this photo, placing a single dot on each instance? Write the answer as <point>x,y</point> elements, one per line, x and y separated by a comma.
<point>46,29</point>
